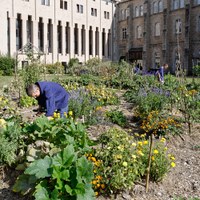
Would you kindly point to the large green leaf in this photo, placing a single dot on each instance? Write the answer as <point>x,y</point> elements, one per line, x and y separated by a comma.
<point>59,173</point>
<point>65,158</point>
<point>88,193</point>
<point>84,170</point>
<point>40,168</point>
<point>24,184</point>
<point>41,192</point>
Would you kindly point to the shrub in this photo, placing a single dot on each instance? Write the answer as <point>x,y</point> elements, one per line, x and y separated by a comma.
<point>196,70</point>
<point>7,65</point>
<point>117,117</point>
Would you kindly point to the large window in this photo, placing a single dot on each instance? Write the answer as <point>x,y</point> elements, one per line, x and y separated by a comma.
<point>178,26</point>
<point>79,8</point>
<point>141,10</point>
<point>197,2</point>
<point>106,15</point>
<point>160,6</point>
<point>137,12</point>
<point>157,29</point>
<point>45,2</point>
<point>139,32</point>
<point>124,33</point>
<point>155,7</point>
<point>176,4</point>
<point>94,12</point>
<point>63,4</point>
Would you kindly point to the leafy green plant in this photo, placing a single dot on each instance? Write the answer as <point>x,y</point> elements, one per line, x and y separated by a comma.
<point>66,175</point>
<point>117,117</point>
<point>118,165</point>
<point>10,142</point>
<point>26,101</point>
<point>59,132</point>
<point>7,65</point>
<point>196,70</point>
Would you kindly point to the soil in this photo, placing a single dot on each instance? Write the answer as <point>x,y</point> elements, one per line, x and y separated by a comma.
<point>181,183</point>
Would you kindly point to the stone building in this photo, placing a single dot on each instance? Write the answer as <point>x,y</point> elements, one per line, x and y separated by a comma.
<point>60,29</point>
<point>153,32</point>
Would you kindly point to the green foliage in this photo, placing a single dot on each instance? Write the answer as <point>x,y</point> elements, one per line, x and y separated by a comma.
<point>7,65</point>
<point>118,167</point>
<point>30,74</point>
<point>93,62</point>
<point>117,117</point>
<point>66,175</point>
<point>160,162</point>
<point>59,132</point>
<point>196,70</point>
<point>73,62</point>
<point>26,101</point>
<point>10,140</point>
<point>56,68</point>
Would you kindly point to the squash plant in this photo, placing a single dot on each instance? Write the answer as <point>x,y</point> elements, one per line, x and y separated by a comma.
<point>65,175</point>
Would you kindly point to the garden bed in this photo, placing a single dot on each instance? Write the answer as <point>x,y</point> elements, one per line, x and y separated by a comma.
<point>182,182</point>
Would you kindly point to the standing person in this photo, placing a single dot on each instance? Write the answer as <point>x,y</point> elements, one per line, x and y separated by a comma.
<point>50,96</point>
<point>160,73</point>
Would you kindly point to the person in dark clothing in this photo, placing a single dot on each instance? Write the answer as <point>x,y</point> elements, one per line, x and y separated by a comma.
<point>51,96</point>
<point>160,73</point>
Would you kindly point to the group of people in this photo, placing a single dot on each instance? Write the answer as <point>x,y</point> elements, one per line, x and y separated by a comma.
<point>53,97</point>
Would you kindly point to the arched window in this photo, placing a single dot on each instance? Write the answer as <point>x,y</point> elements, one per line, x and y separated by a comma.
<point>197,2</point>
<point>139,32</point>
<point>136,11</point>
<point>157,29</point>
<point>155,7</point>
<point>160,6</point>
<point>141,10</point>
<point>178,26</point>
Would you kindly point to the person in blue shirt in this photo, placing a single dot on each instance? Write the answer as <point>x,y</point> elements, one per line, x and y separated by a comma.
<point>160,73</point>
<point>51,96</point>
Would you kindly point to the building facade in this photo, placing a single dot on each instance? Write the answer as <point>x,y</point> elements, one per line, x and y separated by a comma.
<point>154,32</point>
<point>60,29</point>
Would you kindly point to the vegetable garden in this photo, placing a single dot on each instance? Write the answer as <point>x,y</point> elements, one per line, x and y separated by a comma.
<point>61,158</point>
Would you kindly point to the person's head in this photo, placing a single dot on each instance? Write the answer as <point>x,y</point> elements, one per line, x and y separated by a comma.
<point>33,90</point>
<point>165,66</point>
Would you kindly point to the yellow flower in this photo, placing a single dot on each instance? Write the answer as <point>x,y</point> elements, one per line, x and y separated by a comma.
<point>94,182</point>
<point>93,159</point>
<point>133,144</point>
<point>145,142</point>
<point>96,193</point>
<point>134,156</point>
<point>173,164</point>
<point>165,148</point>
<point>140,143</point>
<point>163,140</point>
<point>70,113</point>
<point>139,152</point>
<point>172,158</point>
<point>103,186</point>
<point>2,123</point>
<point>125,164</point>
<point>155,151</point>
<point>152,158</point>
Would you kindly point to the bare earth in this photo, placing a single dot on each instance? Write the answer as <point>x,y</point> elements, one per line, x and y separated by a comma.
<point>182,181</point>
